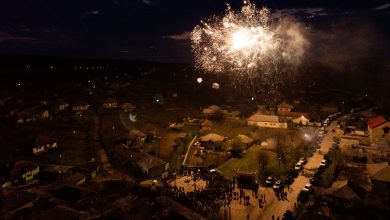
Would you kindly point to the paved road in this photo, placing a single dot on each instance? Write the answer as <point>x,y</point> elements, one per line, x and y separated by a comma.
<point>273,206</point>
<point>314,161</point>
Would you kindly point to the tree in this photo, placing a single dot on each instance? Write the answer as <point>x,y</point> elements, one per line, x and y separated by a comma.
<point>280,153</point>
<point>262,159</point>
<point>236,146</point>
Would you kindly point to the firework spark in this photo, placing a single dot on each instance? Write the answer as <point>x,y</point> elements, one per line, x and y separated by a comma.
<point>246,42</point>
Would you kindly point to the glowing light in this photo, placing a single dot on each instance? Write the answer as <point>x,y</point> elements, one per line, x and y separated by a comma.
<point>199,80</point>
<point>241,39</point>
<point>246,42</point>
<point>215,86</point>
<point>133,118</point>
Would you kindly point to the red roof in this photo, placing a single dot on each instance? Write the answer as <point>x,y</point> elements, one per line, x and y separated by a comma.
<point>376,122</point>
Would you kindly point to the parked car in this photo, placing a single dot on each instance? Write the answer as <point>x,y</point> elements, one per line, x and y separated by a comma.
<point>269,181</point>
<point>315,180</point>
<point>307,188</point>
<point>303,160</point>
<point>323,164</point>
<point>298,166</point>
<point>278,186</point>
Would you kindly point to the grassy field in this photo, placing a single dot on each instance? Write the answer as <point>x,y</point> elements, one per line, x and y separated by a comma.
<point>249,161</point>
<point>230,129</point>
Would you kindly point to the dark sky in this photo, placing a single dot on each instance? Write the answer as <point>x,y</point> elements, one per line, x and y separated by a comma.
<point>150,29</point>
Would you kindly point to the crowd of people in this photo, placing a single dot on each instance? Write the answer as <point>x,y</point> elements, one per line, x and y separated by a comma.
<point>217,193</point>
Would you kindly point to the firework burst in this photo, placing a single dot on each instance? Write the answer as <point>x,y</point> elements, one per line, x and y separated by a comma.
<point>246,43</point>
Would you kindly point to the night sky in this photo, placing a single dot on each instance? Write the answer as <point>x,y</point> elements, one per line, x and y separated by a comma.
<point>158,30</point>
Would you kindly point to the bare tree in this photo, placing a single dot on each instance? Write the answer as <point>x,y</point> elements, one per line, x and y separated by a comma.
<point>262,159</point>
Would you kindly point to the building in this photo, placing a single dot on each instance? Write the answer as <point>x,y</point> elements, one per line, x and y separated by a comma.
<point>349,141</point>
<point>301,120</point>
<point>24,117</point>
<point>18,200</point>
<point>266,121</point>
<point>23,171</point>
<point>136,138</point>
<point>212,137</point>
<point>284,107</point>
<point>247,179</point>
<point>110,103</point>
<point>80,106</point>
<point>378,128</point>
<point>245,139</point>
<point>379,174</point>
<point>212,111</point>
<point>127,107</point>
<point>145,164</point>
<point>62,105</point>
<point>32,114</point>
<point>342,195</point>
<point>206,125</point>
<point>44,143</point>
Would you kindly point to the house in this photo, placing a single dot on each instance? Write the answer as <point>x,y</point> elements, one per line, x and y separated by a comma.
<point>342,194</point>
<point>110,103</point>
<point>349,141</point>
<point>266,121</point>
<point>212,137</point>
<point>44,143</point>
<point>60,212</point>
<point>127,107</point>
<point>90,171</point>
<point>301,120</point>
<point>206,125</point>
<point>247,179</point>
<point>284,107</point>
<point>76,179</point>
<point>136,137</point>
<point>23,171</point>
<point>70,195</point>
<point>177,210</point>
<point>245,139</point>
<point>52,172</point>
<point>24,117</point>
<point>378,128</point>
<point>262,109</point>
<point>143,163</point>
<point>80,106</point>
<point>18,200</point>
<point>62,105</point>
<point>39,112</point>
<point>212,111</point>
<point>32,114</point>
<point>379,174</point>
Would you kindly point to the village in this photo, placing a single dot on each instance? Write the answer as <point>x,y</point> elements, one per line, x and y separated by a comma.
<point>108,152</point>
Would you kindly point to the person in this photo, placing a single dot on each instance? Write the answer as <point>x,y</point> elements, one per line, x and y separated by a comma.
<point>247,217</point>
<point>273,217</point>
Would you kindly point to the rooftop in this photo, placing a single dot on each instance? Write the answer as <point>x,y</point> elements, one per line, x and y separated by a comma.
<point>263,118</point>
<point>213,137</point>
<point>23,166</point>
<point>376,122</point>
<point>379,171</point>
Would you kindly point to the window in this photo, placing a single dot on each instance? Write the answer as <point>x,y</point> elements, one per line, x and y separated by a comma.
<point>386,130</point>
